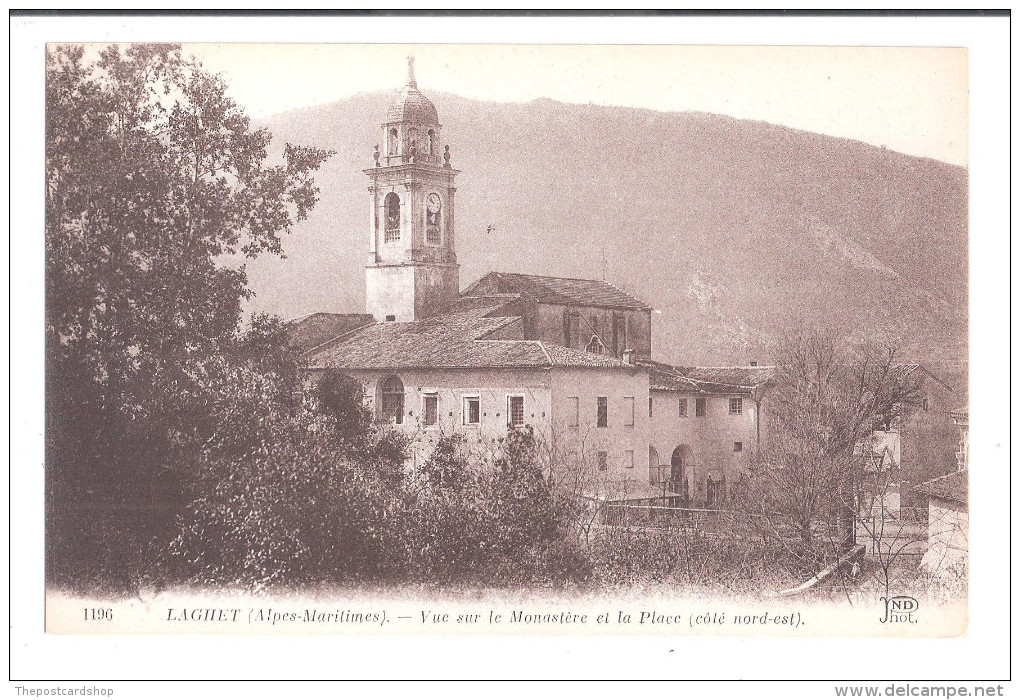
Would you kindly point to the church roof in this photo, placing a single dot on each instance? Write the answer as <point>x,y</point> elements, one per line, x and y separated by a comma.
<point>557,290</point>
<point>456,340</point>
<point>411,105</point>
<point>708,380</point>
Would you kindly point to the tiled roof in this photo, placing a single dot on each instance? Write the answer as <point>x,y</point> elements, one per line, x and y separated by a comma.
<point>708,380</point>
<point>744,377</point>
<point>557,290</point>
<point>951,487</point>
<point>449,341</point>
<point>309,331</point>
<point>668,381</point>
<point>569,357</point>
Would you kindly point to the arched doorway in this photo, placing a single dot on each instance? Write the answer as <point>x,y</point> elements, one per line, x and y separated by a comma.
<point>681,466</point>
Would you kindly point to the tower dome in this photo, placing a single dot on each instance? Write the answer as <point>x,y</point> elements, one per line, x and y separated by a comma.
<point>411,105</point>
<point>411,130</point>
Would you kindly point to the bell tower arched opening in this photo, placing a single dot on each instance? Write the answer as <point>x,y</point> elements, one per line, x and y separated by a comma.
<point>391,207</point>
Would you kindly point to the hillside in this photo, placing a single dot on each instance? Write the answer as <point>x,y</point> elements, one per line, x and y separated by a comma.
<point>733,230</point>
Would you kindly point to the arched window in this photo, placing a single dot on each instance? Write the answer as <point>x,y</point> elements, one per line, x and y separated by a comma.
<point>391,400</point>
<point>392,206</point>
<point>412,141</point>
<point>595,346</point>
<point>431,143</point>
<point>393,144</point>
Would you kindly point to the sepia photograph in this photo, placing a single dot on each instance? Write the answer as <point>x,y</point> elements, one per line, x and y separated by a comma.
<point>504,339</point>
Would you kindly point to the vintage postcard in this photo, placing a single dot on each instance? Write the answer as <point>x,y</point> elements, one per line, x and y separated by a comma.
<point>435,339</point>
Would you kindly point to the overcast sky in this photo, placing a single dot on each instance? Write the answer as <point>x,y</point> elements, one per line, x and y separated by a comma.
<point>912,100</point>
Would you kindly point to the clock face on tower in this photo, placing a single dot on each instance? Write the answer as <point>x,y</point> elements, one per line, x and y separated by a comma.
<point>433,203</point>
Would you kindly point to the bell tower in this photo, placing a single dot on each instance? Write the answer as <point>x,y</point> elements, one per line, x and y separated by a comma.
<point>412,271</point>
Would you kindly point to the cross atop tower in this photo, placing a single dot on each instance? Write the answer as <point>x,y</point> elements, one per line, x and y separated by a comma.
<point>410,72</point>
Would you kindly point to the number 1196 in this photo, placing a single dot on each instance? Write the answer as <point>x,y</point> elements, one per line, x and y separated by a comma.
<point>98,614</point>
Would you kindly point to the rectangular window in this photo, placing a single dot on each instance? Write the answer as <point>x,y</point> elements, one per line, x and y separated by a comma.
<point>391,395</point>
<point>736,407</point>
<point>602,459</point>
<point>649,406</point>
<point>515,411</point>
<point>472,410</point>
<point>628,411</point>
<point>699,407</point>
<point>619,334</point>
<point>431,409</point>
<point>602,412</point>
<point>682,408</point>
<point>573,411</point>
<point>738,447</point>
<point>572,329</point>
<point>628,459</point>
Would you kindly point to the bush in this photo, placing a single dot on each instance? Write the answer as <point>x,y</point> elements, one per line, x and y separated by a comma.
<point>491,520</point>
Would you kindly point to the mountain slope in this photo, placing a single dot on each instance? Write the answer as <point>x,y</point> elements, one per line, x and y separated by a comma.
<point>733,230</point>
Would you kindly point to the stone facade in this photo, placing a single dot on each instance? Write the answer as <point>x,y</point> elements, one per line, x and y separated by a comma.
<point>561,405</point>
<point>701,455</point>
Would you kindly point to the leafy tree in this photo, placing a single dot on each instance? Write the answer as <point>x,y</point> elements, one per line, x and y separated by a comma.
<point>155,182</point>
<point>521,498</point>
<point>153,176</point>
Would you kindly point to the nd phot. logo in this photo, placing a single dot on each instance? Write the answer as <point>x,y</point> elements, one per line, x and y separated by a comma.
<point>899,608</point>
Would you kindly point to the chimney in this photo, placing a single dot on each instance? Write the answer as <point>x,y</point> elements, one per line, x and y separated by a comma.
<point>754,363</point>
<point>628,356</point>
